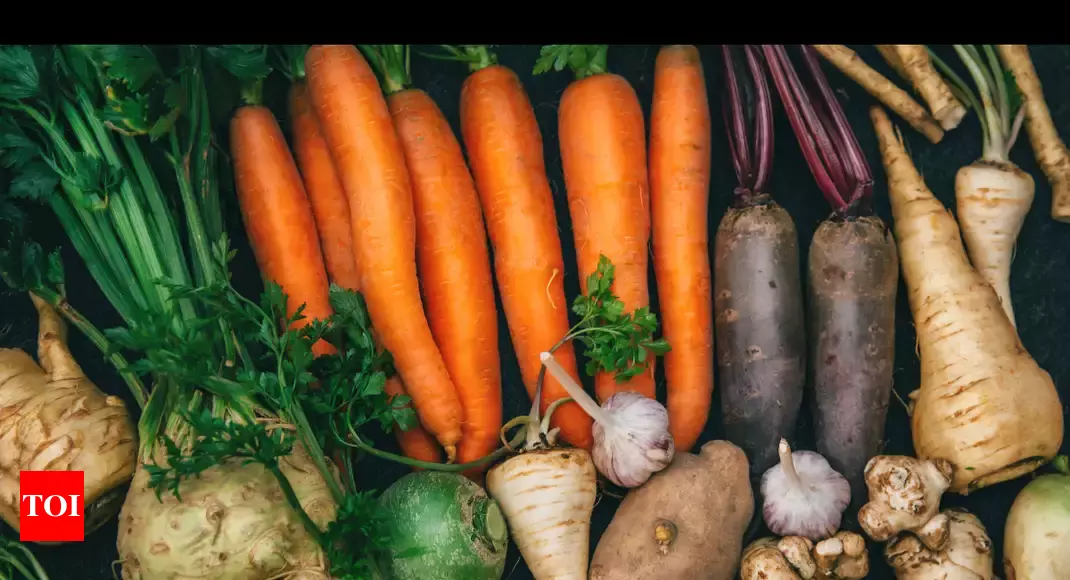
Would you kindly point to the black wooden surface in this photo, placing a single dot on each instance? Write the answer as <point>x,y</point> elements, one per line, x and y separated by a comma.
<point>1039,280</point>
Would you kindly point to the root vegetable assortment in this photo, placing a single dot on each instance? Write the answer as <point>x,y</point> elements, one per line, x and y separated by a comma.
<point>371,234</point>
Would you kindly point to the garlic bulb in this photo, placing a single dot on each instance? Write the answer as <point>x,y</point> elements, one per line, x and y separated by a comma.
<point>631,432</point>
<point>803,495</point>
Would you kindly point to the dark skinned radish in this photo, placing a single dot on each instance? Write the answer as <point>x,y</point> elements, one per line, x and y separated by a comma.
<point>853,275</point>
<point>758,297</point>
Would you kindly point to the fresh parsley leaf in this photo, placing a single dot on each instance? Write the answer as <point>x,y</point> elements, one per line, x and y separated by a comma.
<point>19,78</point>
<point>583,59</point>
<point>25,267</point>
<point>247,62</point>
<point>130,64</point>
<point>16,148</point>
<point>356,537</point>
<point>34,181</point>
<point>92,180</point>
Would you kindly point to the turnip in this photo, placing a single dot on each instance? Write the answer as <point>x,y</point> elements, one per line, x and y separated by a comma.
<point>1036,538</point>
<point>52,417</point>
<point>442,526</point>
<point>983,403</point>
<point>992,194</point>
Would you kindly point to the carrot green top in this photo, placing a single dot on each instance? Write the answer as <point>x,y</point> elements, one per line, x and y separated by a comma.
<point>249,64</point>
<point>583,59</point>
<point>391,63</point>
<point>478,56</point>
<point>292,61</point>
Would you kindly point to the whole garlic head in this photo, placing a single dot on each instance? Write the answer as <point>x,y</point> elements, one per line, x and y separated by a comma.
<point>633,442</point>
<point>803,495</point>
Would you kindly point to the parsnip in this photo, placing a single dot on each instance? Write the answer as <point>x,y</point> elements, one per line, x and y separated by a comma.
<point>52,417</point>
<point>1048,147</point>
<point>918,69</point>
<point>983,404</point>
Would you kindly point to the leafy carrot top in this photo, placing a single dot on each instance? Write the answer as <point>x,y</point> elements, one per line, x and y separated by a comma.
<point>584,59</point>
<point>391,64</point>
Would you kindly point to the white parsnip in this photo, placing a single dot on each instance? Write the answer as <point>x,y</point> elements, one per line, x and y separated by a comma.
<point>983,403</point>
<point>1048,147</point>
<point>919,70</point>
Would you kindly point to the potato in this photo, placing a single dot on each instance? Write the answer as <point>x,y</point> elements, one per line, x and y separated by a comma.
<point>685,523</point>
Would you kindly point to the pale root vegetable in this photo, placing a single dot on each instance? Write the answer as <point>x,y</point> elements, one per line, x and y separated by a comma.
<point>547,494</point>
<point>53,418</point>
<point>966,554</point>
<point>904,495</point>
<point>1048,147</point>
<point>983,403</point>
<point>918,69</point>
<point>1037,532</point>
<point>882,89</point>
<point>686,523</point>
<point>841,557</point>
<point>233,523</point>
<point>993,196</point>
<point>892,58</point>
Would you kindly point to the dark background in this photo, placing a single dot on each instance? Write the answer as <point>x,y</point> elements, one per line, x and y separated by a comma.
<point>1038,288</point>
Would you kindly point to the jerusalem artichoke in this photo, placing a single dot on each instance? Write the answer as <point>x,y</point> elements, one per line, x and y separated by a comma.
<point>965,554</point>
<point>841,557</point>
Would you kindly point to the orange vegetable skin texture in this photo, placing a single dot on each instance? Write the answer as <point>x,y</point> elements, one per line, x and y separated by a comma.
<point>371,165</point>
<point>679,195</point>
<point>278,216</point>
<point>454,266</point>
<point>603,154</point>
<point>504,147</point>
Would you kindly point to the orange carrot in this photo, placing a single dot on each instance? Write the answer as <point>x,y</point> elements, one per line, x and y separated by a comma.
<point>415,442</point>
<point>679,198</point>
<point>371,164</point>
<point>603,154</point>
<point>278,216</point>
<point>325,191</point>
<point>504,147</point>
<point>451,252</point>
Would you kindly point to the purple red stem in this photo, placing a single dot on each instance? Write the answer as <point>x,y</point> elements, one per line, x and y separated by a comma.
<point>820,125</point>
<point>752,160</point>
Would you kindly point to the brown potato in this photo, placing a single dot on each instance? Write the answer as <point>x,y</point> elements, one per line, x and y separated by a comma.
<point>685,523</point>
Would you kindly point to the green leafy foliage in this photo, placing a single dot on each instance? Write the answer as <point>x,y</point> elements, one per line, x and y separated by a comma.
<point>583,59</point>
<point>19,77</point>
<point>247,62</point>
<point>25,267</point>
<point>614,341</point>
<point>356,537</point>
<point>16,557</point>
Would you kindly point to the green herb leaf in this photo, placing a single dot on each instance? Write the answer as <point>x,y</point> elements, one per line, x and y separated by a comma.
<point>584,59</point>
<point>357,537</point>
<point>247,62</point>
<point>36,180</point>
<point>19,78</point>
<point>132,65</point>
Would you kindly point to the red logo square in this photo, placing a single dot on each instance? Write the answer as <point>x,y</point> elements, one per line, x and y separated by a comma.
<point>52,506</point>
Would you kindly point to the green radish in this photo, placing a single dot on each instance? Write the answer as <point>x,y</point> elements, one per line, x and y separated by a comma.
<point>443,526</point>
<point>1037,533</point>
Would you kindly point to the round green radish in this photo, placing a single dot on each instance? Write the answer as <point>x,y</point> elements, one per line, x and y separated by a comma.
<point>1037,532</point>
<point>443,526</point>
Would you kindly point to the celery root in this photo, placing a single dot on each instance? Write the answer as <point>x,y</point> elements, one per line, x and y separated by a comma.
<point>1048,147</point>
<point>919,70</point>
<point>233,522</point>
<point>52,417</point>
<point>983,403</point>
<point>882,89</point>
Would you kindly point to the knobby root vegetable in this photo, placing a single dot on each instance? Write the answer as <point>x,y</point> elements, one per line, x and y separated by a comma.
<point>1048,147</point>
<point>442,526</point>
<point>233,523</point>
<point>919,70</point>
<point>841,557</point>
<point>757,292</point>
<point>679,198</point>
<point>371,164</point>
<point>1036,537</point>
<point>547,494</point>
<point>686,523</point>
<point>882,89</point>
<point>53,418</point>
<point>983,404</point>
<point>904,495</point>
<point>966,553</point>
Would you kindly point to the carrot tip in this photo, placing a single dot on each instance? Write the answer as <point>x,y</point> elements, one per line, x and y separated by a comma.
<point>451,453</point>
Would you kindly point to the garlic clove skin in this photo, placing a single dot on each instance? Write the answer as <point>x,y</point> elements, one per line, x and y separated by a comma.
<point>803,495</point>
<point>634,443</point>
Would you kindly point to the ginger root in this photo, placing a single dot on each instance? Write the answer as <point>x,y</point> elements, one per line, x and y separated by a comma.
<point>52,417</point>
<point>904,495</point>
<point>965,554</point>
<point>841,557</point>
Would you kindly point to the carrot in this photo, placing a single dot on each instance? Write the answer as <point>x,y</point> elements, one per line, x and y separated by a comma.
<point>882,89</point>
<point>371,164</point>
<point>504,147</point>
<point>603,155</point>
<point>451,252</point>
<point>679,197</point>
<point>415,442</point>
<point>983,402</point>
<point>325,191</point>
<point>992,194</point>
<point>277,214</point>
<point>1048,147</point>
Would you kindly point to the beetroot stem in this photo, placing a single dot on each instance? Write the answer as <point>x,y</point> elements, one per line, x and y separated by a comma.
<point>735,121</point>
<point>763,131</point>
<point>752,160</point>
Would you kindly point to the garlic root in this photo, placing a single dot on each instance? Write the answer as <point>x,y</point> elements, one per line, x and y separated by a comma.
<point>841,557</point>
<point>965,555</point>
<point>904,496</point>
